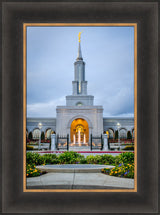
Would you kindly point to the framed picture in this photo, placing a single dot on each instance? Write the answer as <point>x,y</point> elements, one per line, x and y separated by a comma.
<point>20,21</point>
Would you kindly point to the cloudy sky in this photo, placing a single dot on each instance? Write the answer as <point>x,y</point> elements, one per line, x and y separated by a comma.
<point>109,56</point>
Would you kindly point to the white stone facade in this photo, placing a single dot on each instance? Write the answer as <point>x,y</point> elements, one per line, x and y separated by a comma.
<point>108,123</point>
<point>79,100</point>
<point>47,123</point>
<point>125,123</point>
<point>92,114</point>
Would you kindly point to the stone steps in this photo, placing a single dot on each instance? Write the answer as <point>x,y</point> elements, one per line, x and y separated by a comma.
<point>83,148</point>
<point>79,148</point>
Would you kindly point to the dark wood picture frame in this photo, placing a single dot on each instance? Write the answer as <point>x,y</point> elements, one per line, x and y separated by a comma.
<point>14,14</point>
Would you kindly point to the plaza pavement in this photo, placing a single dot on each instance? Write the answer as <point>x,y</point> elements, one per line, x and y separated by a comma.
<point>75,180</point>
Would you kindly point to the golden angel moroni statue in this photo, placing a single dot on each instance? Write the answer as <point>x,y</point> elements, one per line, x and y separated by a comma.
<point>79,36</point>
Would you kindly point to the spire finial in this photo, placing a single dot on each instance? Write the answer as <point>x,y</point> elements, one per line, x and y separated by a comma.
<point>79,36</point>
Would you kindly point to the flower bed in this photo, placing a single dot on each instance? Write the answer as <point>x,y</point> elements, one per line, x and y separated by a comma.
<point>32,171</point>
<point>122,170</point>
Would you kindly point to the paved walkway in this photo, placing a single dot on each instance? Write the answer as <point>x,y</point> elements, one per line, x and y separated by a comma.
<point>78,181</point>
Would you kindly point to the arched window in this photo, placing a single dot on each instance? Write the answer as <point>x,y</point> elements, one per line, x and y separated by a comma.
<point>79,104</point>
<point>111,133</point>
<point>48,133</point>
<point>36,133</point>
<point>123,133</point>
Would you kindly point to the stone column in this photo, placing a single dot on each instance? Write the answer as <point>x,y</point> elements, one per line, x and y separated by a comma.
<point>105,143</point>
<point>53,142</point>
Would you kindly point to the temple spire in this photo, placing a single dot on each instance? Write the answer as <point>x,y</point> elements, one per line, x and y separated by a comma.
<point>79,52</point>
<point>79,47</point>
<point>79,83</point>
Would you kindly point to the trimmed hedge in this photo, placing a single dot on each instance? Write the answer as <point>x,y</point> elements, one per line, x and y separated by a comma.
<point>74,157</point>
<point>50,159</point>
<point>34,158</point>
<point>100,159</point>
<point>70,158</point>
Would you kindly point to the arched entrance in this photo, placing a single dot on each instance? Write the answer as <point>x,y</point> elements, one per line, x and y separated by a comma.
<point>79,131</point>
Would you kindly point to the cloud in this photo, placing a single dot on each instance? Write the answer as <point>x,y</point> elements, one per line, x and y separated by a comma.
<point>119,104</point>
<point>47,109</point>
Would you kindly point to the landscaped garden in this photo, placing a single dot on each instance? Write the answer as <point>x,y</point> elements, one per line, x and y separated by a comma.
<point>124,162</point>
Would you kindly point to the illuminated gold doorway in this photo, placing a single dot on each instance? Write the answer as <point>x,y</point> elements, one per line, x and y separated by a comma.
<point>79,132</point>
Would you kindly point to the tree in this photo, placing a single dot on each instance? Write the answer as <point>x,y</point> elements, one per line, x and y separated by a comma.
<point>42,136</point>
<point>30,137</point>
<point>129,135</point>
<point>116,134</point>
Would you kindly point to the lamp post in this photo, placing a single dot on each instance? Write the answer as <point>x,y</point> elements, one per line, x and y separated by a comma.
<point>40,127</point>
<point>118,126</point>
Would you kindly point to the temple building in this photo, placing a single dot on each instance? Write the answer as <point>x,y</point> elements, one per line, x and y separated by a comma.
<point>80,117</point>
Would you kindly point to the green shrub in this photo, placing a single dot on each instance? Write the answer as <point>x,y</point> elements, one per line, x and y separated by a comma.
<point>108,159</point>
<point>90,159</point>
<point>129,148</point>
<point>100,159</point>
<point>70,158</point>
<point>29,147</point>
<point>50,159</point>
<point>126,157</point>
<point>83,161</point>
<point>34,158</point>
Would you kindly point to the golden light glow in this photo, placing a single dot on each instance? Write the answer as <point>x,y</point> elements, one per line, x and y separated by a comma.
<point>82,126</point>
<point>79,87</point>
